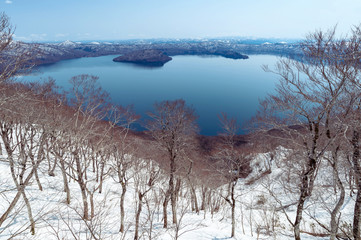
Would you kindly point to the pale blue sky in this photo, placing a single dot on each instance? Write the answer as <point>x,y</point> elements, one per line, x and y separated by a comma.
<point>58,20</point>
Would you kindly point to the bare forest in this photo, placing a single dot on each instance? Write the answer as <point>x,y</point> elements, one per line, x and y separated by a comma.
<point>73,168</point>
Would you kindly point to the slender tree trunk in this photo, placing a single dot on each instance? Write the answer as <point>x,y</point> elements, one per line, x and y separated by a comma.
<point>91,199</point>
<point>172,191</point>
<point>21,188</point>
<point>39,158</point>
<point>233,205</point>
<point>30,214</point>
<point>10,208</point>
<point>122,213</point>
<point>335,212</point>
<point>51,169</point>
<point>165,213</point>
<point>37,177</point>
<point>137,216</point>
<point>357,214</point>
<point>177,188</point>
<point>357,171</point>
<point>85,200</point>
<point>82,186</point>
<point>204,192</point>
<point>101,176</point>
<point>307,181</point>
<point>174,207</point>
<point>65,180</point>
<point>306,188</point>
<point>194,198</point>
<point>303,196</point>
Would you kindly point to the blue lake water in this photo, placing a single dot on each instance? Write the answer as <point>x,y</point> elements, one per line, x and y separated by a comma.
<point>210,84</point>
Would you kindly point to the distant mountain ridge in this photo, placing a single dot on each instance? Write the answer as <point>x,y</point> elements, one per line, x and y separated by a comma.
<point>234,49</point>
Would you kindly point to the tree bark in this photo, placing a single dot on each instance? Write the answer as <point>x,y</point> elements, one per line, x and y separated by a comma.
<point>357,171</point>
<point>308,178</point>
<point>194,197</point>
<point>233,206</point>
<point>335,212</point>
<point>82,186</point>
<point>122,213</point>
<point>102,164</point>
<point>305,193</point>
<point>65,180</point>
<point>139,210</point>
<point>172,190</point>
<point>165,213</point>
<point>30,214</point>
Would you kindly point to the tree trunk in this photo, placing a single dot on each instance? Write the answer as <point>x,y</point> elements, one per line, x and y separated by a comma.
<point>122,213</point>
<point>37,179</point>
<point>92,209</point>
<point>10,208</point>
<point>303,196</point>
<point>139,210</point>
<point>85,200</point>
<point>174,207</point>
<point>195,202</point>
<point>335,212</point>
<point>39,158</point>
<point>233,205</point>
<point>306,188</point>
<point>51,169</point>
<point>357,171</point>
<point>101,177</point>
<point>165,213</point>
<point>172,191</point>
<point>204,191</point>
<point>30,214</point>
<point>82,186</point>
<point>65,181</point>
<point>308,178</point>
<point>357,214</point>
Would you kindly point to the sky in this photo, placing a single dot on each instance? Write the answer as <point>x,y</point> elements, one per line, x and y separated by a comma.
<point>81,20</point>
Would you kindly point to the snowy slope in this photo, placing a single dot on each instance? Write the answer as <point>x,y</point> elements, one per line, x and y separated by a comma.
<point>257,212</point>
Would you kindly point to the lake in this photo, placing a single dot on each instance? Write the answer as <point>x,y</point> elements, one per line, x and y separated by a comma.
<point>210,84</point>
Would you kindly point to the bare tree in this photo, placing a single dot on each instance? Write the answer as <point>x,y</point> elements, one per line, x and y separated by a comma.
<point>351,117</point>
<point>24,133</point>
<point>232,162</point>
<point>172,126</point>
<point>121,120</point>
<point>15,57</point>
<point>89,103</point>
<point>146,176</point>
<point>305,105</point>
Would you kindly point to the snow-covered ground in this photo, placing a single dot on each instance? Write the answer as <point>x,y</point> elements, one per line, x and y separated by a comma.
<point>257,210</point>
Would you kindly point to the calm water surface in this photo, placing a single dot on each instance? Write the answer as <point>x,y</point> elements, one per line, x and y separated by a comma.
<point>210,84</point>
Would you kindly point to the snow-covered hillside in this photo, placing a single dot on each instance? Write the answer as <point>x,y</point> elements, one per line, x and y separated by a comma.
<point>259,211</point>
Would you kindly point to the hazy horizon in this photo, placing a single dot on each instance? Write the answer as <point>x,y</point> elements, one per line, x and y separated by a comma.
<point>241,38</point>
<point>84,20</point>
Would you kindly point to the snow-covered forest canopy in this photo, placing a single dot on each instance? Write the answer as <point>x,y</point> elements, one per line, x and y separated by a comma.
<point>72,168</point>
